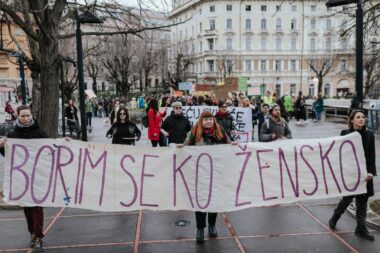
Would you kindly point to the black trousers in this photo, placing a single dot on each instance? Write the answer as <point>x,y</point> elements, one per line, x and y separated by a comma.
<point>35,219</point>
<point>361,209</point>
<point>201,219</point>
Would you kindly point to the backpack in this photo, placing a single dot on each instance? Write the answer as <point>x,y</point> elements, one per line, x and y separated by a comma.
<point>145,121</point>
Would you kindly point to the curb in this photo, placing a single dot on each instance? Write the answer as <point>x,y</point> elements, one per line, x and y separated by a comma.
<point>373,219</point>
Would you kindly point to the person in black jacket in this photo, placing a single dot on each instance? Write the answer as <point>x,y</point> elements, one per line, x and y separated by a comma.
<point>356,122</point>
<point>225,119</point>
<point>27,128</point>
<point>176,126</point>
<point>123,131</point>
<point>72,118</point>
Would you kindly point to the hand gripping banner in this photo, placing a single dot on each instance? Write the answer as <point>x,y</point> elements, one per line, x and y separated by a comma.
<point>105,177</point>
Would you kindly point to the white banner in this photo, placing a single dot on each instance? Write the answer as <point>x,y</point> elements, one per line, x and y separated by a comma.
<point>242,119</point>
<point>105,177</point>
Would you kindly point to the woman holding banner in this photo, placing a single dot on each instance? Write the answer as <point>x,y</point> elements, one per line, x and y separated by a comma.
<point>206,132</point>
<point>27,128</point>
<point>356,122</point>
<point>123,131</point>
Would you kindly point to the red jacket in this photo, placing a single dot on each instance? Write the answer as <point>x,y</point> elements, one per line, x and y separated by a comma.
<point>154,124</point>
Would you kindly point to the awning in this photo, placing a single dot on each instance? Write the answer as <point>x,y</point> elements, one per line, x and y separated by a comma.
<point>5,89</point>
<point>90,93</point>
<point>343,84</point>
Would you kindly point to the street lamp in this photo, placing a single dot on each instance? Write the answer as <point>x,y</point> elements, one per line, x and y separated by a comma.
<point>359,45</point>
<point>85,18</point>
<point>18,55</point>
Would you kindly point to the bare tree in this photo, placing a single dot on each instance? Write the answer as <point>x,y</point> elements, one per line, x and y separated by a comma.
<point>182,61</point>
<point>321,66</point>
<point>372,71</point>
<point>93,70</point>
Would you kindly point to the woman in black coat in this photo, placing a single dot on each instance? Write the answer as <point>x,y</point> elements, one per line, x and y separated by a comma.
<point>123,131</point>
<point>27,128</point>
<point>72,118</point>
<point>356,122</point>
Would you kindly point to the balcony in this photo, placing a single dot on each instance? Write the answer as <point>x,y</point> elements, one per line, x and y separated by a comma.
<point>211,32</point>
<point>279,31</point>
<point>264,31</point>
<point>294,31</point>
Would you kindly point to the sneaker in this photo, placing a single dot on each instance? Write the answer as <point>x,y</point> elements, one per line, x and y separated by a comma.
<point>365,235</point>
<point>306,121</point>
<point>32,241</point>
<point>200,238</point>
<point>38,246</point>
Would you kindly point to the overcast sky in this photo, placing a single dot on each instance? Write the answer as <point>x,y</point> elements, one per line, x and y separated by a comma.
<point>161,4</point>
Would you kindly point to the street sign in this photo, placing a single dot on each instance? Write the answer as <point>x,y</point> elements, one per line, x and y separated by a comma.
<point>185,86</point>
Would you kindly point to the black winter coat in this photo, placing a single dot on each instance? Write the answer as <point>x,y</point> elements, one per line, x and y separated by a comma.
<point>32,132</point>
<point>368,140</point>
<point>227,122</point>
<point>127,130</point>
<point>177,126</point>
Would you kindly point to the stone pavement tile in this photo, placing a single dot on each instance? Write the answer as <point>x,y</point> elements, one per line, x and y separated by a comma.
<point>91,230</point>
<point>14,233</point>
<point>325,243</point>
<point>19,214</point>
<point>363,245</point>
<point>214,246</point>
<point>273,220</point>
<point>78,211</point>
<point>324,212</point>
<point>94,249</point>
<point>161,226</point>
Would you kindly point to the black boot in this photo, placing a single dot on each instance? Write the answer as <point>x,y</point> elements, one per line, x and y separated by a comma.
<point>200,236</point>
<point>363,233</point>
<point>361,215</point>
<point>38,246</point>
<point>212,231</point>
<point>334,219</point>
<point>32,241</point>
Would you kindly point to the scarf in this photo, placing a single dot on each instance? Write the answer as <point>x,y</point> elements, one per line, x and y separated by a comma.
<point>19,124</point>
<point>222,114</point>
<point>209,131</point>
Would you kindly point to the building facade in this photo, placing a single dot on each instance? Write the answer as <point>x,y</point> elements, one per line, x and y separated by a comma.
<point>272,43</point>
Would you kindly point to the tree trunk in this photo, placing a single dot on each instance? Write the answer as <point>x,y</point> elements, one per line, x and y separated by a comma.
<point>320,84</point>
<point>36,95</point>
<point>95,87</point>
<point>48,118</point>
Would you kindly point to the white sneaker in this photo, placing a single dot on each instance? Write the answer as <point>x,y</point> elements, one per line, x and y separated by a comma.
<point>306,121</point>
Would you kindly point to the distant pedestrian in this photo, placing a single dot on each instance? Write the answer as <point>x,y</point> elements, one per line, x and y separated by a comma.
<point>72,118</point>
<point>300,108</point>
<point>318,107</point>
<point>154,118</point>
<point>356,123</point>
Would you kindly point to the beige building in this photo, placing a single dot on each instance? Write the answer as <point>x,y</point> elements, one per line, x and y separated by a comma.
<point>269,43</point>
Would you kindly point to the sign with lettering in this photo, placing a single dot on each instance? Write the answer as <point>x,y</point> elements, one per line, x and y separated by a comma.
<point>242,119</point>
<point>216,178</point>
<point>185,86</point>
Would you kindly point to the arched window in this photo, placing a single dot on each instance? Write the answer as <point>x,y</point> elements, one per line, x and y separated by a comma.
<point>263,24</point>
<point>327,90</point>
<point>311,90</point>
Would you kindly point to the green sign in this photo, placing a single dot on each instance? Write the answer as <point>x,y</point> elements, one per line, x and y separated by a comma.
<point>242,84</point>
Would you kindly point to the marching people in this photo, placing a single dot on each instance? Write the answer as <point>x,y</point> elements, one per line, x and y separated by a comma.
<point>288,102</point>
<point>89,108</point>
<point>27,128</point>
<point>123,131</point>
<point>356,123</point>
<point>206,132</point>
<point>262,116</point>
<point>268,98</point>
<point>275,127</point>
<point>115,109</point>
<point>318,108</point>
<point>284,112</point>
<point>72,118</point>
<point>225,119</point>
<point>300,108</point>
<point>176,125</point>
<point>154,118</point>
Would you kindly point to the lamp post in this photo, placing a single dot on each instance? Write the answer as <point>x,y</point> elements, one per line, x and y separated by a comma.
<point>18,55</point>
<point>85,18</point>
<point>359,45</point>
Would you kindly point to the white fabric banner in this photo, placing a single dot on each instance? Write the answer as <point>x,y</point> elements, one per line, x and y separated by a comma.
<point>106,177</point>
<point>242,119</point>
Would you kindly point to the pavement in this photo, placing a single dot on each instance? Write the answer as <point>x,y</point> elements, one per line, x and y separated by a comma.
<point>296,227</point>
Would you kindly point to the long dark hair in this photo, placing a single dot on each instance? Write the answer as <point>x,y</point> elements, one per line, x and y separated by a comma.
<point>352,116</point>
<point>118,114</point>
<point>153,104</point>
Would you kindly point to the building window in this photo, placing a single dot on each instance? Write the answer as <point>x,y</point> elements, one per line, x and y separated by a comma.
<point>277,66</point>
<point>229,7</point>
<point>229,44</point>
<point>311,90</point>
<point>293,44</point>
<point>313,8</point>
<point>328,44</point>
<point>293,89</point>
<point>263,8</point>
<point>278,90</point>
<point>293,24</point>
<point>200,46</point>
<point>248,24</point>
<point>229,24</point>
<point>200,27</point>
<point>210,65</point>
<point>313,24</point>
<point>263,43</point>
<point>212,24</point>
<point>263,24</point>
<point>327,90</point>
<point>212,8</point>
<point>248,7</point>
<point>312,44</point>
<point>344,44</point>
<point>328,24</point>
<point>248,65</point>
<point>210,44</point>
<point>263,65</point>
<point>248,44</point>
<point>292,65</point>
<point>278,44</point>
<point>294,8</point>
<point>343,65</point>
<point>278,23</point>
